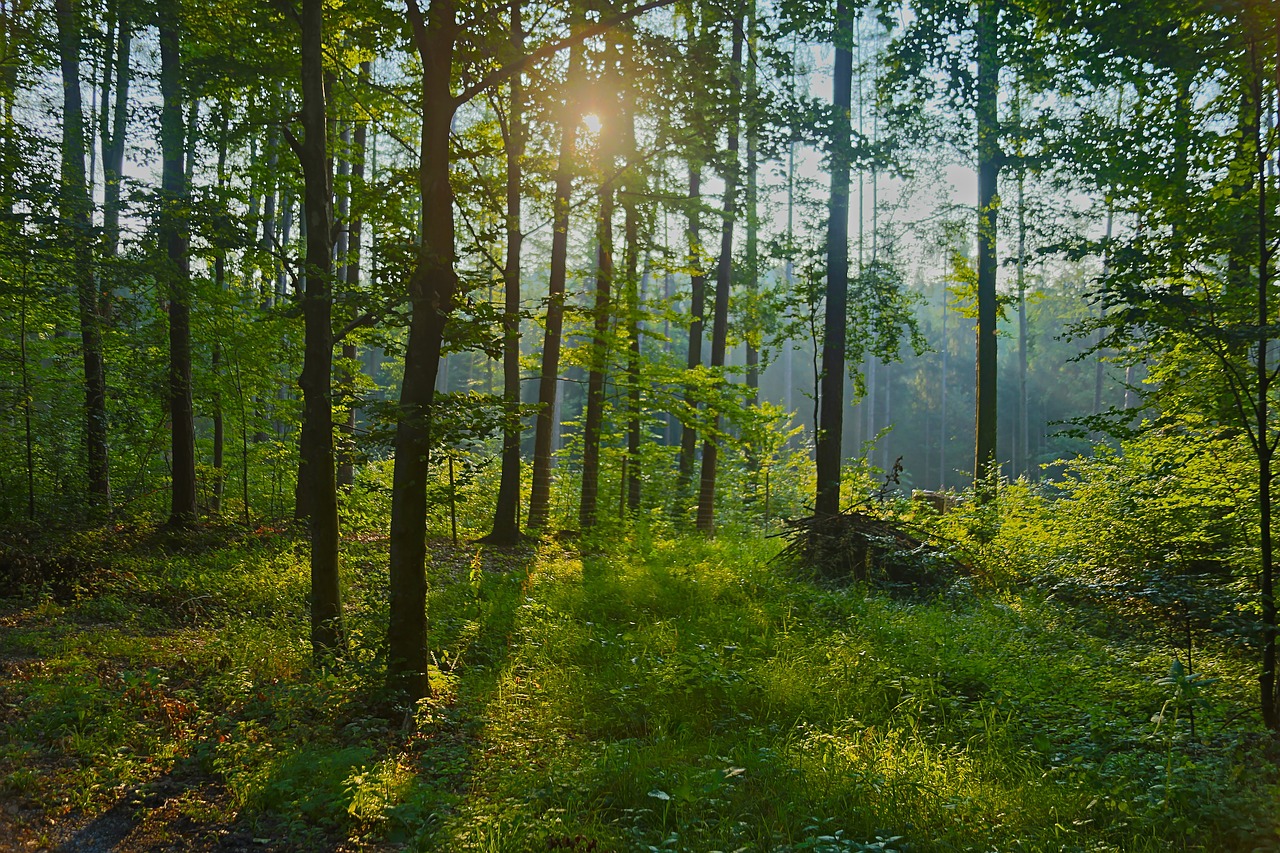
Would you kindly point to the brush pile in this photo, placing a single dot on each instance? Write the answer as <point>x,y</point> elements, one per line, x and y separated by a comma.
<point>855,546</point>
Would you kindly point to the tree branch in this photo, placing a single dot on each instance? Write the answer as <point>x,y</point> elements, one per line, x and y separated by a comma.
<point>498,75</point>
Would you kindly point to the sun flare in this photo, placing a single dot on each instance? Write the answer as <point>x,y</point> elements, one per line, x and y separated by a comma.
<point>592,121</point>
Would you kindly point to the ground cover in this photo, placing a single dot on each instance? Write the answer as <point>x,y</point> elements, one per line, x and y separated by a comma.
<point>657,693</point>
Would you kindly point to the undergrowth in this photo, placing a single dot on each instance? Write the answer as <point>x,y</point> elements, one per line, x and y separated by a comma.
<point>661,693</point>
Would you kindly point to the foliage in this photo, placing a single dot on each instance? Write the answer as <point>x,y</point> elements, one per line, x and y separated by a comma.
<point>662,692</point>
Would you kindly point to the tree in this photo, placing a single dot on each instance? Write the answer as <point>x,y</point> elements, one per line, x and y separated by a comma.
<point>506,513</point>
<point>316,446</point>
<point>724,275</point>
<point>831,425</point>
<point>432,292</point>
<point>548,385</point>
<point>75,209</point>
<point>174,238</point>
<point>985,464</point>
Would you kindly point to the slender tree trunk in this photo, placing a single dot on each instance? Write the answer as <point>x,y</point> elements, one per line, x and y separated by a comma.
<point>220,283</point>
<point>316,444</point>
<point>1269,698</point>
<point>594,417</point>
<point>943,435</point>
<point>113,136</point>
<point>506,514</point>
<point>351,276</point>
<point>633,188</point>
<point>75,212</point>
<point>548,385</point>
<point>697,314</point>
<point>988,133</point>
<point>28,403</point>
<point>1023,456</point>
<point>174,237</point>
<point>751,248</point>
<point>344,382</point>
<point>724,281</point>
<point>432,287</point>
<point>834,329</point>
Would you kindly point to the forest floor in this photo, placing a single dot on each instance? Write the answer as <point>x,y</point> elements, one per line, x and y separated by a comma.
<point>659,694</point>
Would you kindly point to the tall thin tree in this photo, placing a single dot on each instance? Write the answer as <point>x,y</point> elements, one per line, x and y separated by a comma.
<point>316,444</point>
<point>831,402</point>
<point>75,209</point>
<point>175,239</point>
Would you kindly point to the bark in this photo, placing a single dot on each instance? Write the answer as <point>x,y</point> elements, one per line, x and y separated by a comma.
<point>113,136</point>
<point>1269,699</point>
<point>316,444</point>
<point>831,429</point>
<point>351,276</point>
<point>633,188</point>
<point>75,209</point>
<point>220,283</point>
<point>432,288</point>
<point>548,385</point>
<point>724,280</point>
<point>751,249</point>
<point>594,417</point>
<point>1023,456</point>
<point>697,312</point>
<point>984,465</point>
<point>506,514</point>
<point>174,236</point>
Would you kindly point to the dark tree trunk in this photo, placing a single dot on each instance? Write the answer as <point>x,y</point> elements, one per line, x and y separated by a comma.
<point>594,417</point>
<point>506,514</point>
<point>351,276</point>
<point>751,249</point>
<point>831,418</point>
<point>697,312</point>
<point>988,132</point>
<point>220,283</point>
<point>432,287</point>
<point>1269,699</point>
<point>316,445</point>
<point>174,238</point>
<point>544,427</point>
<point>113,136</point>
<point>724,280</point>
<point>75,209</point>
<point>633,188</point>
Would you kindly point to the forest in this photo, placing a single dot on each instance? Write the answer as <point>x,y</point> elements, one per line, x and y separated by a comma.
<point>639,425</point>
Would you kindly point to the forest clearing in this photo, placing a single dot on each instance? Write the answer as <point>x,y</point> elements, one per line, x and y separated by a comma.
<point>675,425</point>
<point>662,692</point>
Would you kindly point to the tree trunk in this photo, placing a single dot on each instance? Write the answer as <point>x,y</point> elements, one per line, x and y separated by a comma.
<point>548,385</point>
<point>594,417</point>
<point>988,132</point>
<point>432,287</point>
<point>506,514</point>
<point>830,433</point>
<point>1269,699</point>
<point>316,444</point>
<point>113,136</point>
<point>220,283</point>
<point>1023,456</point>
<point>75,212</point>
<point>633,188</point>
<point>174,238</point>
<point>751,248</point>
<point>351,277</point>
<point>724,280</point>
<point>697,312</point>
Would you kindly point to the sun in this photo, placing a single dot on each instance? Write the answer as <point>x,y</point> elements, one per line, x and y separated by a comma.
<point>592,121</point>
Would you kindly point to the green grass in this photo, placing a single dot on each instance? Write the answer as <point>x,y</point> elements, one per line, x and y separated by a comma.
<point>658,694</point>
